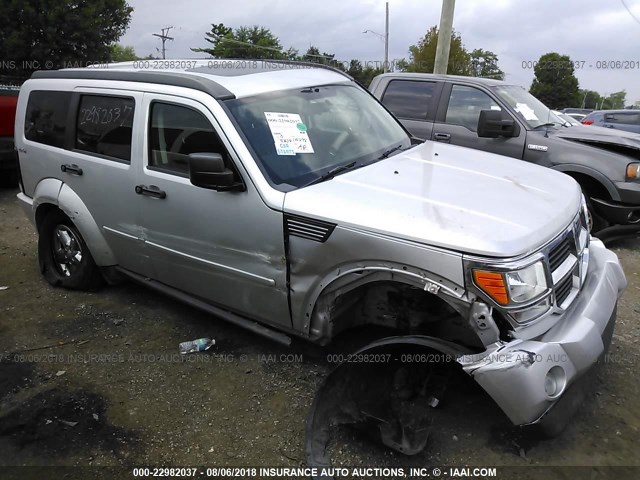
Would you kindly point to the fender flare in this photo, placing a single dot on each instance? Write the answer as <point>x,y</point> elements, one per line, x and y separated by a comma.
<point>46,191</point>
<point>594,174</point>
<point>55,192</point>
<point>331,281</point>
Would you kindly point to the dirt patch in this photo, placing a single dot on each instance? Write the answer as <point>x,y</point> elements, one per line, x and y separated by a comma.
<point>56,422</point>
<point>14,376</point>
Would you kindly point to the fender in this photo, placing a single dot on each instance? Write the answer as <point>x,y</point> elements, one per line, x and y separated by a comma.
<point>596,175</point>
<point>55,192</point>
<point>347,277</point>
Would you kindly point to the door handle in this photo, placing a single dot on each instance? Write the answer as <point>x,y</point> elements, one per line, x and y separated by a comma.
<point>72,169</point>
<point>151,191</point>
<point>442,137</point>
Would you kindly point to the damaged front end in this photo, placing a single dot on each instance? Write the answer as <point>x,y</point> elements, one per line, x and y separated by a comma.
<point>396,389</point>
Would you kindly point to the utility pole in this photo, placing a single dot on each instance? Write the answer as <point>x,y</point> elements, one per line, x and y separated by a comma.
<point>444,37</point>
<point>164,37</point>
<point>386,40</point>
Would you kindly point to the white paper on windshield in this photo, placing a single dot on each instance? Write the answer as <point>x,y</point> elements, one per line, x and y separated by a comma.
<point>496,108</point>
<point>526,111</point>
<point>289,133</point>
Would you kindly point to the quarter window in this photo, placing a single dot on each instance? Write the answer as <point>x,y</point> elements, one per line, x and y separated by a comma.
<point>409,99</point>
<point>104,126</point>
<point>465,105</point>
<point>46,117</point>
<point>175,132</point>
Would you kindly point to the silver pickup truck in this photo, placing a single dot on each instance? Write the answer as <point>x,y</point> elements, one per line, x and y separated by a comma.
<point>284,198</point>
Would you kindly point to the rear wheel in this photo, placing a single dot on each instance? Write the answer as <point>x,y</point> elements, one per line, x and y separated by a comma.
<point>63,255</point>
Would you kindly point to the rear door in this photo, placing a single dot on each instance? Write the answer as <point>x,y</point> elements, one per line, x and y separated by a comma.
<point>457,121</point>
<point>413,102</point>
<point>84,138</point>
<point>224,247</point>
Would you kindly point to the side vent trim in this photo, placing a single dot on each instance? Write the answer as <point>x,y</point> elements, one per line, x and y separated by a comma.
<point>308,228</point>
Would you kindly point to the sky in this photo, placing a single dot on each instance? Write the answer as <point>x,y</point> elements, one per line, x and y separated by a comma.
<point>591,32</point>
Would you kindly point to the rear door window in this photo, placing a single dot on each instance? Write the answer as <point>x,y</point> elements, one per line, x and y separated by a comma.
<point>46,117</point>
<point>629,118</point>
<point>409,99</point>
<point>104,126</point>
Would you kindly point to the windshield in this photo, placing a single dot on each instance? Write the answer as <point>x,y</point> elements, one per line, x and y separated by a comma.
<point>529,108</point>
<point>569,119</point>
<point>300,135</point>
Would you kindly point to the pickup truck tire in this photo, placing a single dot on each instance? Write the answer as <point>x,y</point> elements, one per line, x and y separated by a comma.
<point>596,222</point>
<point>63,255</point>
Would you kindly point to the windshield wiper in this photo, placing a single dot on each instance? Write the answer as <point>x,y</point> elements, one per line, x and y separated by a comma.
<point>389,152</point>
<point>548,124</point>
<point>331,173</point>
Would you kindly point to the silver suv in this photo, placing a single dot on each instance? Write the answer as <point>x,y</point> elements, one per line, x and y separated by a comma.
<point>284,198</point>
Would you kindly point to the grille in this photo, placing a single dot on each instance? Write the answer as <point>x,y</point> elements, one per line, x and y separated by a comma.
<point>563,289</point>
<point>559,253</point>
<point>310,229</point>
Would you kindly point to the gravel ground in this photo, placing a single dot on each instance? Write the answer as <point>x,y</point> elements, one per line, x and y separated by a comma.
<point>96,379</point>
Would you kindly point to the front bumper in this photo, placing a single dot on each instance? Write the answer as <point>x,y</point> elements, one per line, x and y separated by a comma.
<point>514,373</point>
<point>617,213</point>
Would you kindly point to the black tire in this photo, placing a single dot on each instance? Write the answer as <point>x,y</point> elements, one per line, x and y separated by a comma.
<point>63,255</point>
<point>596,221</point>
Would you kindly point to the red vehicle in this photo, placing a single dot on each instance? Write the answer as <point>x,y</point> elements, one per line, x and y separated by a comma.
<point>8,154</point>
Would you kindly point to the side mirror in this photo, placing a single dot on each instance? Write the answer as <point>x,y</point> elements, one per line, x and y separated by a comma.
<point>491,124</point>
<point>207,170</point>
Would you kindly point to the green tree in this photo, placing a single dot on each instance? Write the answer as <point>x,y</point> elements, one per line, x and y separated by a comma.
<point>361,74</point>
<point>485,64</point>
<point>313,55</point>
<point>244,42</point>
<point>615,100</point>
<point>423,55</point>
<point>121,53</point>
<point>555,84</point>
<point>49,33</point>
<point>589,99</point>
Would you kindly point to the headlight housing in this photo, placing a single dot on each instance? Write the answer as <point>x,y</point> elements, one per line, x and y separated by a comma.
<point>513,287</point>
<point>633,172</point>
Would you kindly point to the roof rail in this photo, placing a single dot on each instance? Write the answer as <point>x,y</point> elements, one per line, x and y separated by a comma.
<point>162,77</point>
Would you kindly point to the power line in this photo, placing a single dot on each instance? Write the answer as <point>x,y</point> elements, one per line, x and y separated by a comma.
<point>164,37</point>
<point>630,12</point>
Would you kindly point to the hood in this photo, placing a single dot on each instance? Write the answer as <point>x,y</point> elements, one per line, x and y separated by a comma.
<point>602,137</point>
<point>448,196</point>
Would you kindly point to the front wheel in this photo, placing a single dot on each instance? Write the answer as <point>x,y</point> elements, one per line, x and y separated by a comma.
<point>595,220</point>
<point>63,255</point>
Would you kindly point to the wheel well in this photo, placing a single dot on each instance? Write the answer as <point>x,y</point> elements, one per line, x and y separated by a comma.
<point>398,307</point>
<point>43,211</point>
<point>590,186</point>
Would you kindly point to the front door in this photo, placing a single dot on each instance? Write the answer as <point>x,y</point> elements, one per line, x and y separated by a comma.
<point>458,124</point>
<point>224,247</point>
